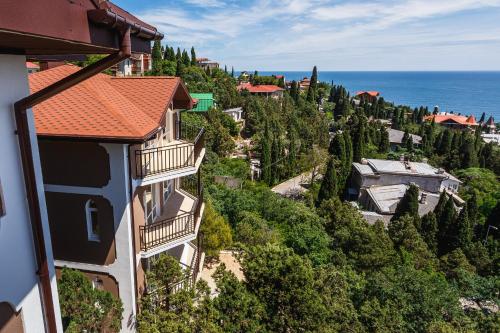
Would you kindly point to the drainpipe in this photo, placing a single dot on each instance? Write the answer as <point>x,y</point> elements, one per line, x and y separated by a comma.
<point>21,116</point>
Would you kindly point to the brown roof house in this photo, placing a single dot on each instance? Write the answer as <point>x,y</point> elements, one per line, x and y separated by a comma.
<point>121,178</point>
<point>39,31</point>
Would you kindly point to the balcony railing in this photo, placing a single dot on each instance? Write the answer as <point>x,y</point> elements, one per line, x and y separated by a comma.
<point>157,160</point>
<point>168,230</point>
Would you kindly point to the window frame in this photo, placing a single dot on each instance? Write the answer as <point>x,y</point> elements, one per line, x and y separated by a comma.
<point>153,213</point>
<point>91,236</point>
<point>165,189</point>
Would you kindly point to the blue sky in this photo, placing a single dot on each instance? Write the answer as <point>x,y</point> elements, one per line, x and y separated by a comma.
<point>334,35</point>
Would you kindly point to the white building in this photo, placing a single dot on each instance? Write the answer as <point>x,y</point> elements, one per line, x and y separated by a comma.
<point>235,113</point>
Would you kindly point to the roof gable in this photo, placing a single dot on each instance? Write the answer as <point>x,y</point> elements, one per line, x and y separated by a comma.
<point>103,106</point>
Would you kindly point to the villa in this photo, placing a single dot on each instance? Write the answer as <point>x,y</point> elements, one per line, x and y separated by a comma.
<point>38,31</point>
<point>262,90</point>
<point>369,96</point>
<point>453,121</point>
<point>121,178</point>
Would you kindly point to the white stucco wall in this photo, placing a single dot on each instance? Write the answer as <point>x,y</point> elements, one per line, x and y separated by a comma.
<point>18,280</point>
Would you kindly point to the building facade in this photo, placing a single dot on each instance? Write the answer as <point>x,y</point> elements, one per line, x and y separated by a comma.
<point>125,187</point>
<point>35,31</point>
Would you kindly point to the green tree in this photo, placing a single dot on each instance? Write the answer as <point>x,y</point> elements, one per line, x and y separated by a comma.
<point>238,309</point>
<point>84,308</point>
<point>179,69</point>
<point>157,58</point>
<point>408,204</point>
<point>265,156</point>
<point>429,230</point>
<point>216,231</point>
<point>313,86</point>
<point>447,228</point>
<point>193,57</point>
<point>384,141</point>
<point>464,229</point>
<point>251,229</point>
<point>328,187</point>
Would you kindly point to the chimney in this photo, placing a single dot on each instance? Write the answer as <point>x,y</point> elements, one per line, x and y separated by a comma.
<point>423,198</point>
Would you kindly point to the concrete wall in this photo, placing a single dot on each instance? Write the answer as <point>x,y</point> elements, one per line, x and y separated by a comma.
<point>428,184</point>
<point>18,281</point>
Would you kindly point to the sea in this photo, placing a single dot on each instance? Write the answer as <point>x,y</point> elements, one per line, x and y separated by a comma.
<point>461,92</point>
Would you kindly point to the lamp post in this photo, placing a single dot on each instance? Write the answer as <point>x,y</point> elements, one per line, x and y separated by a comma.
<point>488,231</point>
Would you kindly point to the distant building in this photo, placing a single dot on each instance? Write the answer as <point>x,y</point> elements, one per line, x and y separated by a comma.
<point>490,126</point>
<point>495,138</point>
<point>204,102</point>
<point>453,121</point>
<point>137,65</point>
<point>266,90</point>
<point>304,83</point>
<point>32,67</point>
<point>207,63</point>
<point>369,96</point>
<point>374,172</point>
<point>396,138</point>
<point>235,113</point>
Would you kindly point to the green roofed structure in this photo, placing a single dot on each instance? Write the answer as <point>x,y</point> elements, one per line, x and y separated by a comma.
<point>205,102</point>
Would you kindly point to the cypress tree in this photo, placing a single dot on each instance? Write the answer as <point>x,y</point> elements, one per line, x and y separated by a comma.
<point>438,210</point>
<point>359,141</point>
<point>232,71</point>
<point>312,91</point>
<point>408,204</point>
<point>275,157</point>
<point>292,152</point>
<point>328,187</point>
<point>179,70</point>
<point>348,154</point>
<point>384,141</point>
<point>225,69</point>
<point>178,55</point>
<point>193,56</point>
<point>465,230</point>
<point>265,157</point>
<point>337,148</point>
<point>429,230</point>
<point>468,156</point>
<point>445,143</point>
<point>447,230</point>
<point>472,209</point>
<point>409,144</point>
<point>294,93</point>
<point>157,58</point>
<point>185,58</point>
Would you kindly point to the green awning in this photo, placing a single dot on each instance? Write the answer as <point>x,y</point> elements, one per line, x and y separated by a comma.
<point>205,101</point>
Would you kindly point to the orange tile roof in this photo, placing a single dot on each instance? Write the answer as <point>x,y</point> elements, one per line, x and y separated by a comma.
<point>263,88</point>
<point>32,65</point>
<point>462,120</point>
<point>371,93</point>
<point>103,106</point>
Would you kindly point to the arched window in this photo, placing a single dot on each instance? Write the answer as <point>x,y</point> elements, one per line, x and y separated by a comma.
<point>92,221</point>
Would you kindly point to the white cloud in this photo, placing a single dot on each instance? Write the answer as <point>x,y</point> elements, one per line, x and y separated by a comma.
<point>255,34</point>
<point>206,3</point>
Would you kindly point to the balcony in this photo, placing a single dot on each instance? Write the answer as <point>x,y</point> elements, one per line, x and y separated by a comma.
<point>179,223</point>
<point>174,159</point>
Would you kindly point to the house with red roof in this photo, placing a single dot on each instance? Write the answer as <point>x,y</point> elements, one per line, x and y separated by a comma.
<point>368,96</point>
<point>266,90</point>
<point>453,121</point>
<point>39,31</point>
<point>121,174</point>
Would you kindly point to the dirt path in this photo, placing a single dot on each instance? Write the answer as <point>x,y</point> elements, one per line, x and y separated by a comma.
<point>229,259</point>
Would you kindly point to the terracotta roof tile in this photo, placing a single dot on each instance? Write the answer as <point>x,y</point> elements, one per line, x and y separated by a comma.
<point>263,88</point>
<point>463,120</point>
<point>102,106</point>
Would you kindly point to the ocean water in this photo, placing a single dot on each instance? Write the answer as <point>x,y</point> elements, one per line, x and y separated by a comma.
<point>460,92</point>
